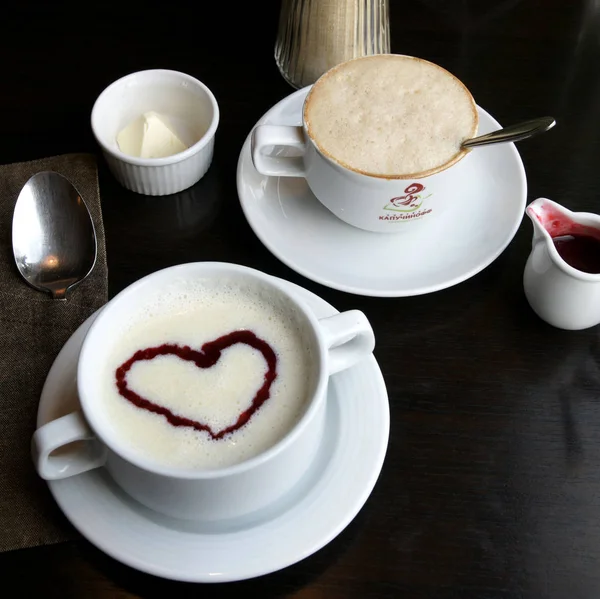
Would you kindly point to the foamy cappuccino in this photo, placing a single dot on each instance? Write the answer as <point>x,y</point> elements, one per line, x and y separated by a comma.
<point>390,116</point>
<point>208,377</point>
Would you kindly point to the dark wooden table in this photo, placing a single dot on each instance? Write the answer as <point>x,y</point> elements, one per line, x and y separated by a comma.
<point>491,485</point>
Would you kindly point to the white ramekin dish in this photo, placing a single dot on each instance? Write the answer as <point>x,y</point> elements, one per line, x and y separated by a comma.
<point>183,99</point>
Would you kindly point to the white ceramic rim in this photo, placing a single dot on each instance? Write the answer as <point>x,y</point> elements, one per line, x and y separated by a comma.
<point>135,458</point>
<point>289,261</point>
<point>175,158</point>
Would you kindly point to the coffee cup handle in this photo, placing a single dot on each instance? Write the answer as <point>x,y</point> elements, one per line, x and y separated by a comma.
<point>89,453</point>
<point>265,136</point>
<point>349,337</point>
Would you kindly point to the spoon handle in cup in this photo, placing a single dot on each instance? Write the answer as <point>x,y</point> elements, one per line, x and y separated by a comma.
<point>512,133</point>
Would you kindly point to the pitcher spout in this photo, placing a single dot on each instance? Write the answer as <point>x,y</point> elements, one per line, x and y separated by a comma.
<point>549,219</point>
<point>533,211</point>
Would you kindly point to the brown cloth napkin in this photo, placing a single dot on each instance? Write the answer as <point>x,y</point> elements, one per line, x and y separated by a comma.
<point>33,328</point>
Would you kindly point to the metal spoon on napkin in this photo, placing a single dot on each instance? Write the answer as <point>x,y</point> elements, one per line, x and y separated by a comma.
<point>53,236</point>
<point>512,133</point>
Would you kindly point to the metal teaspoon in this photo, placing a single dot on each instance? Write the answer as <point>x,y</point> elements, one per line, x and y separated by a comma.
<point>53,236</point>
<point>512,133</point>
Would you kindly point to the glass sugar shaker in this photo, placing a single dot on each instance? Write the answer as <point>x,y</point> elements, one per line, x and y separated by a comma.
<point>315,35</point>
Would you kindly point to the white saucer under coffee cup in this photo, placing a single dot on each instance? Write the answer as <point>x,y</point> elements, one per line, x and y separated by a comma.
<point>336,343</point>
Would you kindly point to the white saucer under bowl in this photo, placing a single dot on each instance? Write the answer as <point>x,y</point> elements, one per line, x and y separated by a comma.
<point>322,504</point>
<point>302,233</point>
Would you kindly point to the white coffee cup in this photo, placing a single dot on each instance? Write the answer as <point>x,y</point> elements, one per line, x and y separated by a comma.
<point>338,342</point>
<point>383,204</point>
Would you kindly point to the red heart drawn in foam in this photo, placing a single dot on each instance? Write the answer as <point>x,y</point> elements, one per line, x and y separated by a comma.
<point>207,357</point>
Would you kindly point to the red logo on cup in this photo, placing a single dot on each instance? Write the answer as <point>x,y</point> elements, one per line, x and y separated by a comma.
<point>410,197</point>
<point>409,206</point>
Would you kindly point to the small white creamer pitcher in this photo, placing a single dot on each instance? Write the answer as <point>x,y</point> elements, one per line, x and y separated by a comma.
<point>564,295</point>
